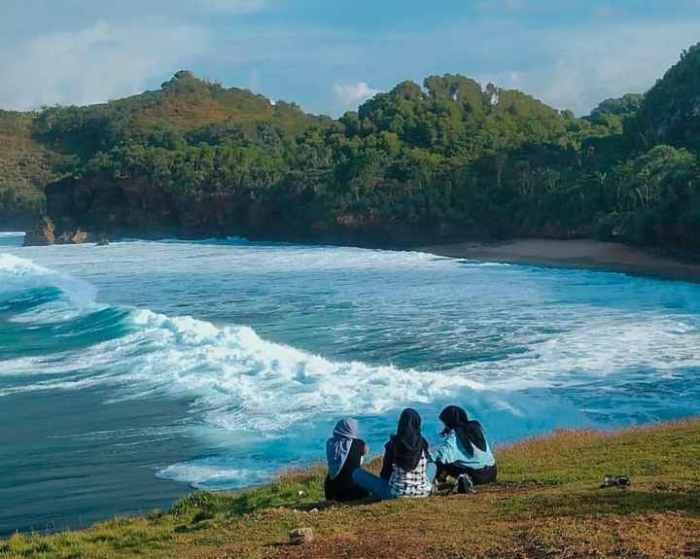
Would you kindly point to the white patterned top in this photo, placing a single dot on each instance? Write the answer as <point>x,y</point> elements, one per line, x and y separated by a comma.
<point>414,483</point>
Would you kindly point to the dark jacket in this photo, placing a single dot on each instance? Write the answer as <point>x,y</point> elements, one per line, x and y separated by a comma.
<point>342,487</point>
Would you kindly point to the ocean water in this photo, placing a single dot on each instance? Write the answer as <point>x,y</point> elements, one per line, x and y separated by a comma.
<point>132,372</point>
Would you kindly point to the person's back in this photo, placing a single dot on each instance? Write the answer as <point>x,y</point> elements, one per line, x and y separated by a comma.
<point>342,487</point>
<point>405,482</point>
<point>344,451</point>
<point>404,470</point>
<point>464,450</point>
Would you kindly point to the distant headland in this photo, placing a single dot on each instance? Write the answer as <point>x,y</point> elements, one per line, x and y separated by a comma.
<point>445,162</point>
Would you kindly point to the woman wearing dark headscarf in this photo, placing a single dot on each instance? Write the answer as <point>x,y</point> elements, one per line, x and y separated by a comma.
<point>344,452</point>
<point>406,456</point>
<point>464,453</point>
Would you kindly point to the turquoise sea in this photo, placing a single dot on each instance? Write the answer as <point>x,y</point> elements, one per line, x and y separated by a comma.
<point>132,372</point>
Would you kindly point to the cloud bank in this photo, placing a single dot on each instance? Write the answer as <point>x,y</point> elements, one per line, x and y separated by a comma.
<point>580,69</point>
<point>94,64</point>
<point>313,52</point>
<point>350,95</point>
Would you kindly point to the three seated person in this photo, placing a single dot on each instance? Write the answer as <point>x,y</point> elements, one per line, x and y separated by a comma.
<point>464,454</point>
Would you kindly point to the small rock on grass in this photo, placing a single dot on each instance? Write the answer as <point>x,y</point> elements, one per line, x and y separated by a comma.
<point>301,536</point>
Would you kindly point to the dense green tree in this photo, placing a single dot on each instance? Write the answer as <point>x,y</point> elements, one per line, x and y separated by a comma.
<point>448,158</point>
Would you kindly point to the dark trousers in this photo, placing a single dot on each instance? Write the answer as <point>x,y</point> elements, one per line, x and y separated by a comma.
<point>478,477</point>
<point>343,492</point>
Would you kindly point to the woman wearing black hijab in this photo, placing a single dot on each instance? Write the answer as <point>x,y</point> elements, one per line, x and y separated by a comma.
<point>406,457</point>
<point>464,453</point>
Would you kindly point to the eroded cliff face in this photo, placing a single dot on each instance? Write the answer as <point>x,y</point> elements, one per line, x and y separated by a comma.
<point>41,234</point>
<point>104,207</point>
<point>95,208</point>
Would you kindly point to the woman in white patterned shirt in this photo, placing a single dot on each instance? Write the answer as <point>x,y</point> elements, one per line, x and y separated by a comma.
<point>406,456</point>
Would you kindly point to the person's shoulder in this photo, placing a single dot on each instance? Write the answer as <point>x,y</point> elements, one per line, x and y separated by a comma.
<point>449,440</point>
<point>448,436</point>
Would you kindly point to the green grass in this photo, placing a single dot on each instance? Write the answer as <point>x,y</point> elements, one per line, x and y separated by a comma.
<point>547,504</point>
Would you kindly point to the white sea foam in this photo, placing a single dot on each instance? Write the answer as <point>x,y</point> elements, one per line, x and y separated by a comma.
<point>236,381</point>
<point>234,378</point>
<point>238,378</point>
<point>206,474</point>
<point>16,266</point>
<point>21,274</point>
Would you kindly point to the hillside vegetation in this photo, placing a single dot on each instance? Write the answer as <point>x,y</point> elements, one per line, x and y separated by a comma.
<point>447,159</point>
<point>25,169</point>
<point>547,504</point>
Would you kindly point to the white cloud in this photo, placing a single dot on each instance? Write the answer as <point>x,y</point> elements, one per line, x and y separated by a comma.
<point>350,95</point>
<point>94,64</point>
<point>580,68</point>
<point>569,64</point>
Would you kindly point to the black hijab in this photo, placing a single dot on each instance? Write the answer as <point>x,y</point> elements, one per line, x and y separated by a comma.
<point>468,432</point>
<point>408,445</point>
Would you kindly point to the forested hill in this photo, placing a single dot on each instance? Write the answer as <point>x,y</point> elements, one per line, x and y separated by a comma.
<point>25,169</point>
<point>446,160</point>
<point>40,147</point>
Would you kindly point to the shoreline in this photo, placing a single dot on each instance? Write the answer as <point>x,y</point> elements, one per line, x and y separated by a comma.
<point>588,254</point>
<point>578,253</point>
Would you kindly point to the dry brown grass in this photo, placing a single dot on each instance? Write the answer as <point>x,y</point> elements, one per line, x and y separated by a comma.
<point>548,504</point>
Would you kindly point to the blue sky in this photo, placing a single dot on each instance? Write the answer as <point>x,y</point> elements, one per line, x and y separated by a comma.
<point>330,55</point>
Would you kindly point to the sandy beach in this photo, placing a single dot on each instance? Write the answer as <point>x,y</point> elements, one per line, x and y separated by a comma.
<point>584,253</point>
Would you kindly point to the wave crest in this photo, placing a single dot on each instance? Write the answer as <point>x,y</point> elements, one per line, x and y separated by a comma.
<point>233,378</point>
<point>19,274</point>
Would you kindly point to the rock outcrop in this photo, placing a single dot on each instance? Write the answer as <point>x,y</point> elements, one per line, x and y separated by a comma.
<point>301,536</point>
<point>43,233</point>
<point>76,237</point>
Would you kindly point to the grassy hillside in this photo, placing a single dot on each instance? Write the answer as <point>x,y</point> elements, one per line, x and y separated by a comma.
<point>25,166</point>
<point>184,109</point>
<point>187,103</point>
<point>39,147</point>
<point>547,504</point>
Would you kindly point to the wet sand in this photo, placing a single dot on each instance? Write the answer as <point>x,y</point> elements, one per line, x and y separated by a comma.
<point>583,253</point>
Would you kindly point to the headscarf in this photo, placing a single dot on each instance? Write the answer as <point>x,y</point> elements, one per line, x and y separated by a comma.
<point>338,446</point>
<point>408,445</point>
<point>468,432</point>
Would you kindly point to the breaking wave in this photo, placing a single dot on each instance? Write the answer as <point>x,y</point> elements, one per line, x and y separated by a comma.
<point>235,381</point>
